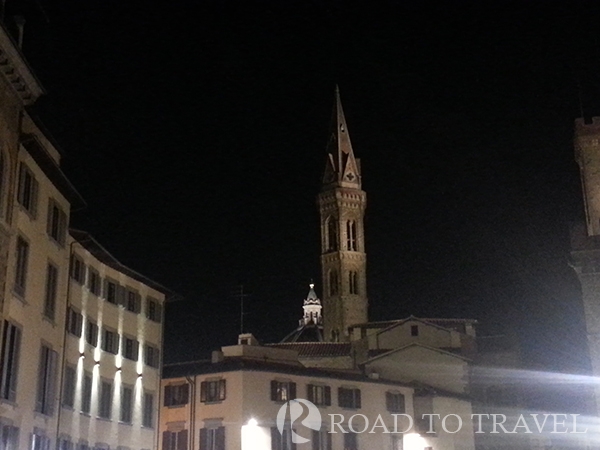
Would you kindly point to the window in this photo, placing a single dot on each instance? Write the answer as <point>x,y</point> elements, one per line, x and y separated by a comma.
<point>27,193</point>
<point>175,440</point>
<point>110,341</point>
<point>176,395</point>
<point>110,292</point>
<point>134,301</point>
<point>126,404</point>
<point>414,330</point>
<point>74,322</point>
<point>151,356</point>
<point>77,269</point>
<point>147,410</point>
<point>51,291</point>
<point>39,440</point>
<point>91,333</point>
<point>57,223</point>
<point>333,282</point>
<point>153,310</point>
<point>130,348</point>
<point>282,391</point>
<point>396,443</point>
<point>350,441</point>
<point>69,386</point>
<point>46,381</point>
<point>319,395</point>
<point>351,235</point>
<point>213,391</point>
<point>394,402</point>
<point>283,440</point>
<point>321,440</point>
<point>349,398</point>
<point>332,235</point>
<point>84,446</point>
<point>9,361</point>
<point>86,393</point>
<point>105,401</point>
<point>9,437</point>
<point>64,443</point>
<point>353,282</point>
<point>21,266</point>
<point>212,438</point>
<point>94,281</point>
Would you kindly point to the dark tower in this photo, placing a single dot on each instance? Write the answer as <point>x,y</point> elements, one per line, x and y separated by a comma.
<point>342,205</point>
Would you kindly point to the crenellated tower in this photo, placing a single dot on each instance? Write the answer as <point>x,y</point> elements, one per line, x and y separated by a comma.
<point>342,204</point>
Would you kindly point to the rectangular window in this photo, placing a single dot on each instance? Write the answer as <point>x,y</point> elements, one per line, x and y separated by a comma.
<point>57,223</point>
<point>39,440</point>
<point>177,395</point>
<point>27,193</point>
<point>70,381</point>
<point>349,398</point>
<point>212,438</point>
<point>110,291</point>
<point>64,443</point>
<point>350,441</point>
<point>74,322</point>
<point>321,440</point>
<point>319,395</point>
<point>147,410</point>
<point>282,391</point>
<point>283,440</point>
<point>51,291</point>
<point>153,310</point>
<point>86,393</point>
<point>134,301</point>
<point>110,341</point>
<point>126,404</point>
<point>9,361</point>
<point>151,356</point>
<point>105,403</point>
<point>213,391</point>
<point>394,402</point>
<point>414,330</point>
<point>46,381</point>
<point>9,437</point>
<point>175,440</point>
<point>77,269</point>
<point>130,348</point>
<point>91,333</point>
<point>21,266</point>
<point>94,281</point>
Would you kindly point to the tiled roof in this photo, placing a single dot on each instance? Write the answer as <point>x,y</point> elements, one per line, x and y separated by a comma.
<point>317,349</point>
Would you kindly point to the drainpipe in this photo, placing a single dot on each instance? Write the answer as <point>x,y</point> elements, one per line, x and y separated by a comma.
<point>192,382</point>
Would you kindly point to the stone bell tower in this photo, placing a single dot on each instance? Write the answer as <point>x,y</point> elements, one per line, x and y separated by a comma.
<point>342,205</point>
<point>585,239</point>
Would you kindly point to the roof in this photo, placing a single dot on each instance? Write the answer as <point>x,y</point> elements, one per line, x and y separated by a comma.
<point>52,170</point>
<point>414,344</point>
<point>317,349</point>
<point>309,332</point>
<point>444,323</point>
<point>101,254</point>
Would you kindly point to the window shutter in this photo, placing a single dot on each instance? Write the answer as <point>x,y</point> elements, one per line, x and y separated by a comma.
<point>203,391</point>
<point>220,438</point>
<point>79,325</point>
<point>182,438</point>
<point>138,303</point>
<point>204,439</point>
<point>166,440</point>
<point>34,196</point>
<point>14,367</point>
<point>222,390</point>
<point>341,398</point>
<point>52,366</point>
<point>388,401</point>
<point>49,218</point>
<point>104,293</point>
<point>185,393</point>
<point>168,395</point>
<point>121,296</point>
<point>159,312</point>
<point>316,443</point>
<point>274,390</point>
<point>292,391</point>
<point>357,398</point>
<point>39,400</point>
<point>275,439</point>
<point>327,396</point>
<point>310,393</point>
<point>329,443</point>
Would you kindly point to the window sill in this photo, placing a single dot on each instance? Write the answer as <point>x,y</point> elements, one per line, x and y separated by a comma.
<point>50,320</point>
<point>127,424</point>
<point>103,419</point>
<point>5,401</point>
<point>217,402</point>
<point>19,295</point>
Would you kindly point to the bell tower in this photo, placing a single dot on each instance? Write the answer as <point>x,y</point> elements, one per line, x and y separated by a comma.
<point>342,204</point>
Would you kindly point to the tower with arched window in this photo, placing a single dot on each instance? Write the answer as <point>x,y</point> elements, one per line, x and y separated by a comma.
<point>342,204</point>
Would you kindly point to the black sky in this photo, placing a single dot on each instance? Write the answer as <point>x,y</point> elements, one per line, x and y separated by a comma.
<point>196,131</point>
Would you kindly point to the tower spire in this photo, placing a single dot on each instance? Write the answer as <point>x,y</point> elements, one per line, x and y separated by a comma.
<point>342,169</point>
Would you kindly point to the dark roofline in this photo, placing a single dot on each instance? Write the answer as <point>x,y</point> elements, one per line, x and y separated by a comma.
<point>52,170</point>
<point>104,256</point>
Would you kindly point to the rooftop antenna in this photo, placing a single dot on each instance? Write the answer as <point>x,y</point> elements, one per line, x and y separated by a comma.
<point>20,23</point>
<point>240,295</point>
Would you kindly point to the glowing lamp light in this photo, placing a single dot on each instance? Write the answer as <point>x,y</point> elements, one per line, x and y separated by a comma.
<point>414,441</point>
<point>97,362</point>
<point>118,369</point>
<point>255,437</point>
<point>252,423</point>
<point>82,355</point>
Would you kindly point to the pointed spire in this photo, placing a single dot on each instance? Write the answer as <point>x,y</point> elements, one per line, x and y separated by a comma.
<point>342,168</point>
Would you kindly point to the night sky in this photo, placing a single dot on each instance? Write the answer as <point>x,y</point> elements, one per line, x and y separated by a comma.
<point>196,131</point>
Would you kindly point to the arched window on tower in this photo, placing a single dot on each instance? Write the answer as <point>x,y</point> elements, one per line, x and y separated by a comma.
<point>353,282</point>
<point>351,235</point>
<point>332,234</point>
<point>333,282</point>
